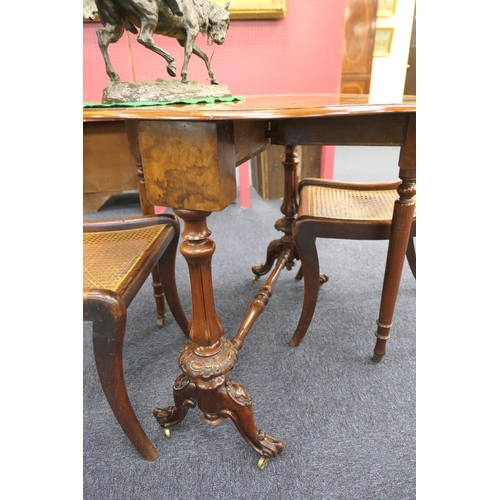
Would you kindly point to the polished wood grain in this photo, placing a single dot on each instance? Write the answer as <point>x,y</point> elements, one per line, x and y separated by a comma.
<point>357,46</point>
<point>257,122</point>
<point>189,153</point>
<point>189,165</point>
<point>108,169</point>
<point>259,107</point>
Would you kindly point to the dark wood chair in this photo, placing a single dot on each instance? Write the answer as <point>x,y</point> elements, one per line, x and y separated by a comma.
<point>118,257</point>
<point>342,210</point>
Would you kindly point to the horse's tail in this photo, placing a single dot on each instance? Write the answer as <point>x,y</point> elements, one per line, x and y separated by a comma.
<point>130,27</point>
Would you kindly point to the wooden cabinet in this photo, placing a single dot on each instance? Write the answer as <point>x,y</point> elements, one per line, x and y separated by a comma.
<point>108,167</point>
<point>357,51</point>
<point>267,170</point>
<point>411,71</point>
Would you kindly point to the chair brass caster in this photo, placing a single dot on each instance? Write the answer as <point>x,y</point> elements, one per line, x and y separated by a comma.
<point>160,321</point>
<point>377,358</point>
<point>263,461</point>
<point>167,432</point>
<point>323,278</point>
<point>255,278</point>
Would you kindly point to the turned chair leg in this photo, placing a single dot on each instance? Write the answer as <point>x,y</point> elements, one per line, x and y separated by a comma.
<point>306,246</point>
<point>108,313</point>
<point>166,269</point>
<point>161,310</point>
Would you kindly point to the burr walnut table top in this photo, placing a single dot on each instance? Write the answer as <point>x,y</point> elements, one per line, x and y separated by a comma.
<point>258,107</point>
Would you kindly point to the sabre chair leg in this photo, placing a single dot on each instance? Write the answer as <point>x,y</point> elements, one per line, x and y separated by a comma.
<point>108,313</point>
<point>306,247</point>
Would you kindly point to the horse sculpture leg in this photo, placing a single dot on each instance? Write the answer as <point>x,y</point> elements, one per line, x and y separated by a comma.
<point>191,48</point>
<point>202,55</point>
<point>109,34</point>
<point>188,44</point>
<point>146,38</point>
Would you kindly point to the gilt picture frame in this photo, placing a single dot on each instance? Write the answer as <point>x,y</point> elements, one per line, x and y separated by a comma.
<point>383,42</point>
<point>255,9</point>
<point>386,8</point>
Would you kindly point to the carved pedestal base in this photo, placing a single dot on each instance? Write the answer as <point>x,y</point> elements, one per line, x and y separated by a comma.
<point>209,356</point>
<point>229,399</point>
<point>289,210</point>
<point>284,251</point>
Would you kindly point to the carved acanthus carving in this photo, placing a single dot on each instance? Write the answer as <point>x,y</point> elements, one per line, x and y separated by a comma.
<point>238,393</point>
<point>207,368</point>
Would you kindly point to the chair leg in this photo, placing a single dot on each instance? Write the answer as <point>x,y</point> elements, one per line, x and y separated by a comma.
<point>411,256</point>
<point>161,310</point>
<point>306,247</point>
<point>299,274</point>
<point>166,269</point>
<point>109,315</point>
<point>396,254</point>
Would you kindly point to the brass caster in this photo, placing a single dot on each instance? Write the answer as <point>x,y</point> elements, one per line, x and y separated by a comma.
<point>167,432</point>
<point>263,461</point>
<point>323,278</point>
<point>377,358</point>
<point>255,278</point>
<point>160,321</point>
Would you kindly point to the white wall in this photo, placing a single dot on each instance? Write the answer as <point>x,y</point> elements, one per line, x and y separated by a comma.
<point>389,72</point>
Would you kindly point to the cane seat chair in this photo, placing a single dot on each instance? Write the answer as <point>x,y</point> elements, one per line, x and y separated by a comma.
<point>118,257</point>
<point>342,210</point>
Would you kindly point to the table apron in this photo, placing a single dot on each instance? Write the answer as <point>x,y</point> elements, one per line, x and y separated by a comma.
<point>357,130</point>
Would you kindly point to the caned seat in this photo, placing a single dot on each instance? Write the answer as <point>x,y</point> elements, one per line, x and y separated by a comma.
<point>118,257</point>
<point>342,210</point>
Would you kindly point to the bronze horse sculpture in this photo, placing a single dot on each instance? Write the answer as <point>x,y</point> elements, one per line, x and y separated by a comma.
<point>179,19</point>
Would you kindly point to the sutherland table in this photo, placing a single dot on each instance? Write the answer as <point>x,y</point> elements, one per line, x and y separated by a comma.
<point>187,156</point>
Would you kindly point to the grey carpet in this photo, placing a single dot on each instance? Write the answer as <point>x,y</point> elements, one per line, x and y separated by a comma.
<point>348,425</point>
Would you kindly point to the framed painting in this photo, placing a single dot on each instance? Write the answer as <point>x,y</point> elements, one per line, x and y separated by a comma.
<point>255,9</point>
<point>383,42</point>
<point>386,8</point>
<point>239,9</point>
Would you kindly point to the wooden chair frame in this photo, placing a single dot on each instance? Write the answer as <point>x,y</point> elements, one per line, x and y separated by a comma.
<point>107,309</point>
<point>307,228</point>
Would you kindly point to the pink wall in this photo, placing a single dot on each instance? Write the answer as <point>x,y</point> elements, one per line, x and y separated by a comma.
<point>301,53</point>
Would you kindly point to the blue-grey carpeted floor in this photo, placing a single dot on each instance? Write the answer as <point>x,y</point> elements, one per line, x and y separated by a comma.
<point>348,425</point>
